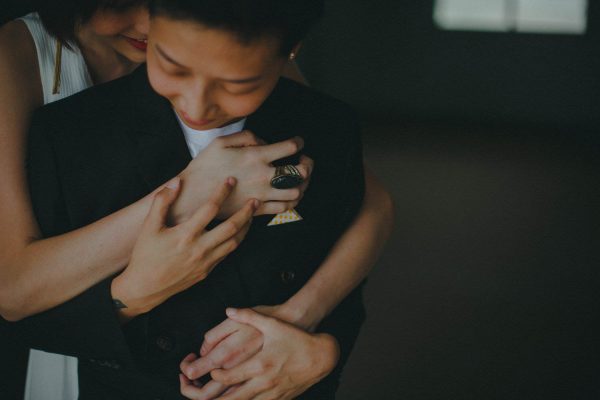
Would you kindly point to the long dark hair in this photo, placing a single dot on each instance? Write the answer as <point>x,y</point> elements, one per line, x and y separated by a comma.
<point>61,17</point>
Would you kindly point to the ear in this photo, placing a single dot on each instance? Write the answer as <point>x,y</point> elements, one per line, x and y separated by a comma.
<point>295,51</point>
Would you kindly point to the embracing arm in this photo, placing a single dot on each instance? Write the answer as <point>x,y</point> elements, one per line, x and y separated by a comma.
<point>348,263</point>
<point>38,274</point>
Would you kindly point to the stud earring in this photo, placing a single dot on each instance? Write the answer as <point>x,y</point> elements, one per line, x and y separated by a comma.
<point>292,56</point>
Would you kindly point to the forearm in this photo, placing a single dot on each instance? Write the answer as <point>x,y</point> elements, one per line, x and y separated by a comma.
<point>349,261</point>
<point>46,272</point>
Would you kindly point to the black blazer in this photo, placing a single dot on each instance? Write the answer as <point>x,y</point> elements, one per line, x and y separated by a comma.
<point>102,149</point>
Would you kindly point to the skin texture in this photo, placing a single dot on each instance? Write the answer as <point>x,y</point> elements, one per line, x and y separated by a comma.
<point>199,250</point>
<point>28,286</point>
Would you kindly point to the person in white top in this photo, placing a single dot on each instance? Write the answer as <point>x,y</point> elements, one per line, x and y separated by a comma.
<point>104,40</point>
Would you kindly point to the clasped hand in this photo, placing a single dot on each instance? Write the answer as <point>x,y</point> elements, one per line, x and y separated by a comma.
<point>248,159</point>
<point>254,356</point>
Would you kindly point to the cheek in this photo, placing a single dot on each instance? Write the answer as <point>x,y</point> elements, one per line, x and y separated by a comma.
<point>240,106</point>
<point>162,83</point>
<point>108,24</point>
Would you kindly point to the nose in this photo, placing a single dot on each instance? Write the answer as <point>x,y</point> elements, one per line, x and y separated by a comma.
<point>199,102</point>
<point>142,21</point>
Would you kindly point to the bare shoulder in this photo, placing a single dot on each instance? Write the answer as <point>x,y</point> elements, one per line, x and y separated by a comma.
<point>19,68</point>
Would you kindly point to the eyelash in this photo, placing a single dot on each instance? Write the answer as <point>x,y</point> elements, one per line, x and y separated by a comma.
<point>241,92</point>
<point>182,74</point>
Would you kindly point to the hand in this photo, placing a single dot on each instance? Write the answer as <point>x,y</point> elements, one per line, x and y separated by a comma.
<point>248,159</point>
<point>166,261</point>
<point>289,362</point>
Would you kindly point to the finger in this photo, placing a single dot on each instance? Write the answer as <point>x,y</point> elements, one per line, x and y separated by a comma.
<point>207,392</point>
<point>306,166</point>
<point>237,348</point>
<point>283,194</point>
<point>209,211</point>
<point>231,226</point>
<point>275,207</point>
<point>157,216</point>
<point>198,367</point>
<point>224,249</point>
<point>216,335</point>
<point>186,362</point>
<point>240,139</point>
<point>250,317</point>
<point>246,391</point>
<point>275,151</point>
<point>232,389</point>
<point>247,370</point>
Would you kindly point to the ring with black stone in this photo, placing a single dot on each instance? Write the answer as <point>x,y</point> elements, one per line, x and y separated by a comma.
<point>286,177</point>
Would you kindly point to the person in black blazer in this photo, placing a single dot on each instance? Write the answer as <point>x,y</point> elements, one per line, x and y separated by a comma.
<point>96,152</point>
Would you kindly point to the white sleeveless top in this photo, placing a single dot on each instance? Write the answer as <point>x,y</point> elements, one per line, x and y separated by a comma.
<point>74,76</point>
<point>53,376</point>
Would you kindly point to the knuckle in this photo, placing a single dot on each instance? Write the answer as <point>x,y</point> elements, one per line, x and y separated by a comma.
<point>303,170</point>
<point>295,194</point>
<point>199,254</point>
<point>270,383</point>
<point>232,245</point>
<point>250,135</point>
<point>293,146</point>
<point>211,207</point>
<point>208,338</point>
<point>280,208</point>
<point>202,275</point>
<point>219,376</point>
<point>189,370</point>
<point>230,228</point>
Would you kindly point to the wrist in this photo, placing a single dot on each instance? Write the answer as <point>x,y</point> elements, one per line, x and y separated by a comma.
<point>130,304</point>
<point>299,314</point>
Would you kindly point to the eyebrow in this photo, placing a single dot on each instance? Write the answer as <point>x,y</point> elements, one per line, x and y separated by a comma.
<point>238,81</point>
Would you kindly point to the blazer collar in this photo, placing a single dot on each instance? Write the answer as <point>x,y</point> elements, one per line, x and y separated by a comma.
<point>160,148</point>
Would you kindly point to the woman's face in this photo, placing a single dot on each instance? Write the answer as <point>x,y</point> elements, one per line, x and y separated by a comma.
<point>208,75</point>
<point>125,31</point>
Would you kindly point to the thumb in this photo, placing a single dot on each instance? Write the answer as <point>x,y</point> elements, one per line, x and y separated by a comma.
<point>250,317</point>
<point>157,216</point>
<point>241,139</point>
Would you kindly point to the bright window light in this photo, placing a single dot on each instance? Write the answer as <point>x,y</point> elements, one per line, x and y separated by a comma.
<point>532,16</point>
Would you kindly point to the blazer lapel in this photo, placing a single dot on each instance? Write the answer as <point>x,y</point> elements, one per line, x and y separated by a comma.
<point>160,148</point>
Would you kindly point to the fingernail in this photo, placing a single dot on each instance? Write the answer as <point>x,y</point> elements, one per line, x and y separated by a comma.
<point>255,204</point>
<point>173,183</point>
<point>231,181</point>
<point>231,311</point>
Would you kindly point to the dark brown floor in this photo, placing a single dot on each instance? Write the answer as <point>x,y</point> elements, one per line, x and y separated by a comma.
<point>489,287</point>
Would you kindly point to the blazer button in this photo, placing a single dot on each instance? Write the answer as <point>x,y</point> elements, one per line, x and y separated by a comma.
<point>164,343</point>
<point>287,276</point>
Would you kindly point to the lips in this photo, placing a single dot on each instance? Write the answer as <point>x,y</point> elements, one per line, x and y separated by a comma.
<point>195,123</point>
<point>140,44</point>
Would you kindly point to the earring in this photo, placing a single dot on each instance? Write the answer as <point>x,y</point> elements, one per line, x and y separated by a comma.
<point>292,56</point>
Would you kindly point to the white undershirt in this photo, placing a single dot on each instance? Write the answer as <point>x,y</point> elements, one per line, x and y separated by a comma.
<point>198,140</point>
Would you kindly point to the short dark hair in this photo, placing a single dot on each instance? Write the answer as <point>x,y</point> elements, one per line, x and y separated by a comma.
<point>289,20</point>
<point>61,17</point>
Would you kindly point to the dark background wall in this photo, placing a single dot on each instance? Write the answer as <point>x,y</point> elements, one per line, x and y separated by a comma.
<point>490,146</point>
<point>387,58</point>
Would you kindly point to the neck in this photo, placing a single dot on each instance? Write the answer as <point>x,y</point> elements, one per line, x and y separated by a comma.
<point>103,62</point>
